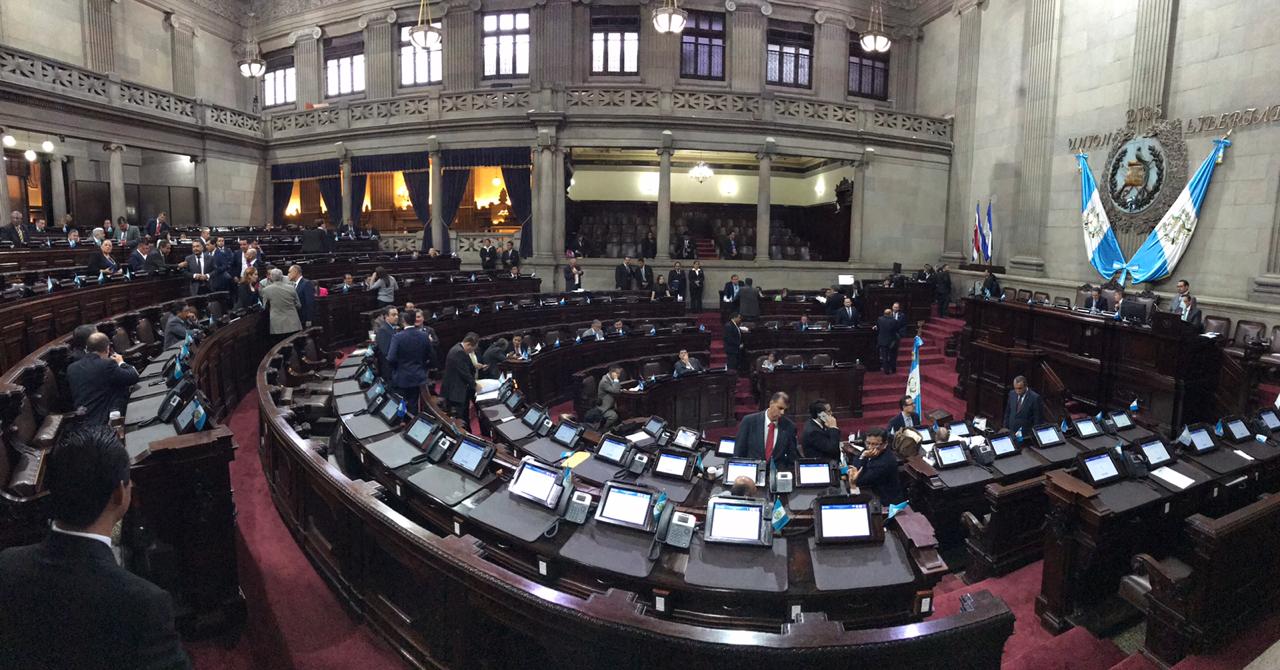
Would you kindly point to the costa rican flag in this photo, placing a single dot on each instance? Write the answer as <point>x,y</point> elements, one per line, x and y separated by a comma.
<point>1100,243</point>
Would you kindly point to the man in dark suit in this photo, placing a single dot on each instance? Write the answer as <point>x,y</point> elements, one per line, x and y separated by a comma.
<point>942,289</point>
<point>493,358</point>
<point>11,231</point>
<point>1022,408</point>
<point>821,432</point>
<point>383,331</point>
<point>991,286</point>
<point>886,339</point>
<point>1096,302</point>
<point>606,395</point>
<point>729,247</point>
<point>1190,312</point>
<point>313,239</point>
<point>697,281</point>
<point>519,349</point>
<point>847,315</point>
<point>306,295</point>
<point>511,259</point>
<point>66,603</point>
<point>100,381</point>
<point>768,435</point>
<point>223,259</point>
<point>906,417</point>
<point>677,279</point>
<point>733,341</point>
<point>409,357</point>
<point>176,328</point>
<point>138,257</point>
<point>877,469</point>
<point>572,276</point>
<point>618,329</point>
<point>488,255</point>
<point>644,276</point>
<point>459,384</point>
<point>199,269</point>
<point>729,295</point>
<point>623,275</point>
<point>900,317</point>
<point>685,364</point>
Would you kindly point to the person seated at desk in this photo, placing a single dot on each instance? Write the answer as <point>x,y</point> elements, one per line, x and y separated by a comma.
<point>80,338</point>
<point>803,324</point>
<point>518,347</point>
<point>100,381</point>
<point>991,286</point>
<point>743,487</point>
<point>140,259</point>
<point>618,329</point>
<point>493,357</point>
<point>595,332</point>
<point>1096,302</point>
<point>348,283</point>
<point>782,295</point>
<point>1129,310</point>
<point>1190,312</point>
<point>1022,408</point>
<point>847,314</point>
<point>176,328</point>
<point>606,397</point>
<point>102,263</point>
<point>661,289</point>
<point>66,602</point>
<point>770,362</point>
<point>877,469</point>
<point>685,364</point>
<point>905,418</point>
<point>768,435</point>
<point>73,238</point>
<point>821,433</point>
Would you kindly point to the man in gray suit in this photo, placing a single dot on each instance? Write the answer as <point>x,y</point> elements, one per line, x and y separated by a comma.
<point>610,386</point>
<point>281,301</point>
<point>126,234</point>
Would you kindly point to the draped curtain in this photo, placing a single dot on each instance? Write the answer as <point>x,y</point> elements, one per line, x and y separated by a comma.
<point>520,191</point>
<point>357,198</point>
<point>418,184</point>
<point>331,192</point>
<point>283,176</point>
<point>452,187</point>
<point>307,170</point>
<point>280,193</point>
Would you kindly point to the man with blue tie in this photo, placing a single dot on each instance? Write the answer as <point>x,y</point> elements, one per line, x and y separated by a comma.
<point>1022,408</point>
<point>409,357</point>
<point>769,435</point>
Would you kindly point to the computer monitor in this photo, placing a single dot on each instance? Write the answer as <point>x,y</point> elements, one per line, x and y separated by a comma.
<point>567,434</point>
<point>1087,428</point>
<point>686,438</point>
<point>1004,446</point>
<point>675,464</point>
<point>1122,420</point>
<point>844,519</point>
<point>654,426</point>
<point>743,467</point>
<point>1048,436</point>
<point>512,401</point>
<point>470,456</point>
<point>926,435</point>
<point>1202,441</point>
<point>627,506</point>
<point>726,446</point>
<point>537,482</point>
<point>1099,468</point>
<point>389,409</point>
<point>736,521</point>
<point>951,455</point>
<point>532,416</point>
<point>959,429</point>
<point>1156,453</point>
<point>1269,419</point>
<point>815,473</point>
<point>612,449</point>
<point>371,394</point>
<point>1238,431</point>
<point>420,430</point>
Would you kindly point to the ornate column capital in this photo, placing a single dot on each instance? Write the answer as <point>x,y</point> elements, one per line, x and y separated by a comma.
<point>767,150</point>
<point>111,147</point>
<point>181,23</point>
<point>730,5</point>
<point>433,145</point>
<point>962,6</point>
<point>312,33</point>
<point>766,9</point>
<point>388,16</point>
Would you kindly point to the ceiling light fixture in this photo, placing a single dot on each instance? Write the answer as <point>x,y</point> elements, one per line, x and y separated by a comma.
<point>425,35</point>
<point>252,66</point>
<point>875,39</point>
<point>669,18</point>
<point>30,155</point>
<point>9,140</point>
<point>47,146</point>
<point>701,172</point>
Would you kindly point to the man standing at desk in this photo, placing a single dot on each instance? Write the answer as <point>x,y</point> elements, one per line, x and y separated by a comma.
<point>623,276</point>
<point>643,276</point>
<point>768,435</point>
<point>100,381</point>
<point>1184,288</point>
<point>847,314</point>
<point>1022,408</point>
<point>729,296</point>
<point>677,279</point>
<point>942,289</point>
<point>887,340</point>
<point>409,357</point>
<point>572,276</point>
<point>733,341</point>
<point>906,418</point>
<point>606,397</point>
<point>459,384</point>
<point>488,255</point>
<point>822,433</point>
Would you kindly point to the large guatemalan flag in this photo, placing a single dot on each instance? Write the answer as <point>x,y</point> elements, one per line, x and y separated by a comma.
<point>1100,243</point>
<point>913,377</point>
<point>1164,247</point>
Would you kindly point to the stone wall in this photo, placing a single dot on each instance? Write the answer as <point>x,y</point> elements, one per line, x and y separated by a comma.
<point>28,25</point>
<point>236,192</point>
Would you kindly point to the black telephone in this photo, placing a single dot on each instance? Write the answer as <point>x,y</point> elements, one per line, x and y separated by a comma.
<point>175,400</point>
<point>638,464</point>
<point>665,438</point>
<point>439,447</point>
<point>1133,465</point>
<point>545,428</point>
<point>983,455</point>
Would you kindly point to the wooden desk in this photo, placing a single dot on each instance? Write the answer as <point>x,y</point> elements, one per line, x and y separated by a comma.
<point>839,385</point>
<point>850,344</point>
<point>704,400</point>
<point>914,297</point>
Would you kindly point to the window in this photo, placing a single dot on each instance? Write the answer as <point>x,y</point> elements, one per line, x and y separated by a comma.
<point>615,41</point>
<point>280,83</point>
<point>506,45</point>
<point>789,54</point>
<point>419,66</point>
<point>344,65</point>
<point>868,71</point>
<point>702,46</point>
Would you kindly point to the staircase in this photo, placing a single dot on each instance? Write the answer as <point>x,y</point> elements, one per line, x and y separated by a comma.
<point>707,250</point>
<point>744,402</point>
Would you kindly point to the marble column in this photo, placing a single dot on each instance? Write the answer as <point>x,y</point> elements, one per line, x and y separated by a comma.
<point>860,171</point>
<point>1042,25</point>
<point>764,204</point>
<point>5,205</point>
<point>202,190</point>
<point>99,39</point>
<point>58,188</point>
<point>345,177</point>
<point>959,206</point>
<point>1266,287</point>
<point>306,59</point>
<point>381,48</point>
<point>182,39</point>
<point>462,60</point>
<point>830,64</point>
<point>544,219</point>
<point>437,190</point>
<point>903,69</point>
<point>115,178</point>
<point>664,196</point>
<point>745,51</point>
<point>1152,46</point>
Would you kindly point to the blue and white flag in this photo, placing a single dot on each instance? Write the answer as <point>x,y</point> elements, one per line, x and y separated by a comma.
<point>989,236</point>
<point>913,377</point>
<point>1164,247</point>
<point>1099,240</point>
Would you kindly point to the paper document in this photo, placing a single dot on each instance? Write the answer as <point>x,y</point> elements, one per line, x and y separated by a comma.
<point>1245,456</point>
<point>636,437</point>
<point>1172,477</point>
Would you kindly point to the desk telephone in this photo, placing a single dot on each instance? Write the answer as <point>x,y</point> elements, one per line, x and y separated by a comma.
<point>675,528</point>
<point>983,454</point>
<point>1133,465</point>
<point>544,429</point>
<point>638,464</point>
<point>781,481</point>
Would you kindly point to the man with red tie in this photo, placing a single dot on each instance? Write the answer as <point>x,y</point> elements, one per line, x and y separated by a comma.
<point>768,435</point>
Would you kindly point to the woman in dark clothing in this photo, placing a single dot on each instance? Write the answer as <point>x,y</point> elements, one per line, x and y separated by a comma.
<point>247,290</point>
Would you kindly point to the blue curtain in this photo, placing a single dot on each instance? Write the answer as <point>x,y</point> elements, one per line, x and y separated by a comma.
<point>357,199</point>
<point>418,184</point>
<point>390,163</point>
<point>307,170</point>
<point>331,192</point>
<point>520,191</point>
<point>499,157</point>
<point>452,187</point>
<point>280,192</point>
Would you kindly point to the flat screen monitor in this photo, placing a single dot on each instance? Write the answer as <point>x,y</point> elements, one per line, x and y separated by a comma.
<point>951,455</point>
<point>686,438</point>
<point>1202,441</point>
<point>366,377</point>
<point>959,429</point>
<point>421,430</point>
<point>1048,436</point>
<point>538,483</point>
<point>390,409</point>
<point>735,468</point>
<point>1239,432</point>
<point>726,446</point>
<point>612,449</point>
<point>566,434</point>
<point>1003,445</point>
<point>626,506</point>
<point>844,280</point>
<point>1101,468</point>
<point>843,521</point>
<point>813,474</point>
<point>926,435</point>
<point>1087,428</point>
<point>1156,453</point>
<point>654,426</point>
<point>1269,419</point>
<point>672,464</point>
<point>512,401</point>
<point>372,393</point>
<point>1122,420</point>
<point>532,416</point>
<point>735,521</point>
<point>469,457</point>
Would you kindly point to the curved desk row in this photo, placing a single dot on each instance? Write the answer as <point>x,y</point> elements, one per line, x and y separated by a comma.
<point>857,344</point>
<point>705,399</point>
<point>840,385</point>
<point>450,589</point>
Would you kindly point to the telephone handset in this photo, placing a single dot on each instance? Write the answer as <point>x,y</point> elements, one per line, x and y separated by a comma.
<point>439,448</point>
<point>781,481</point>
<point>1134,466</point>
<point>544,429</point>
<point>675,529</point>
<point>665,438</point>
<point>638,464</point>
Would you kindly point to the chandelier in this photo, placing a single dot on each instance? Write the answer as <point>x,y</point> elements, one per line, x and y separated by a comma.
<point>669,18</point>
<point>425,35</point>
<point>874,39</point>
<point>701,172</point>
<point>252,65</point>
